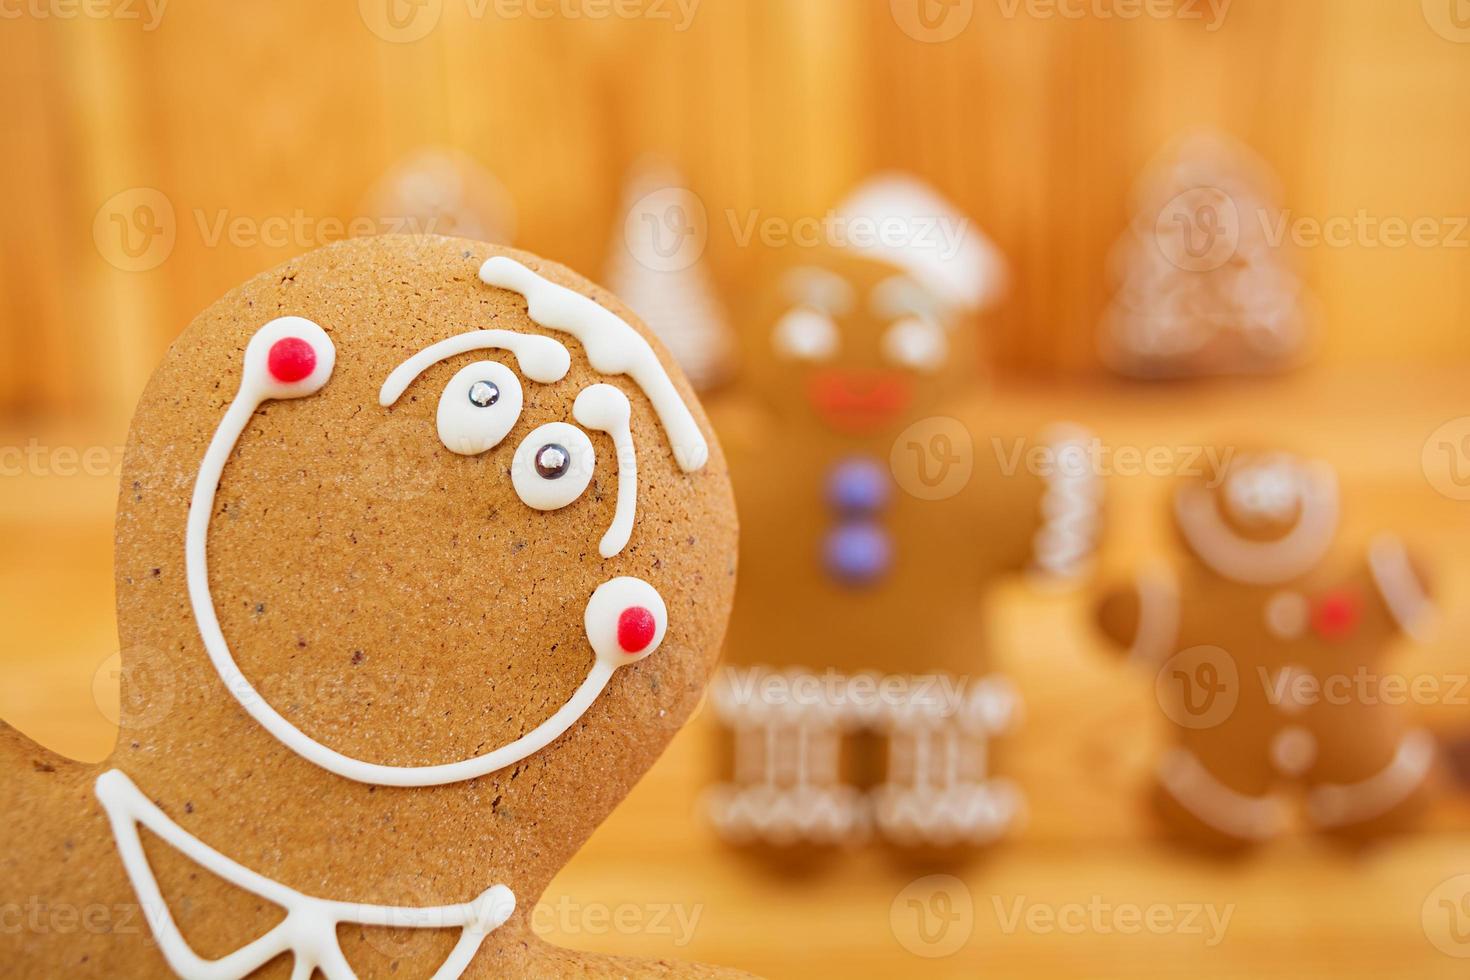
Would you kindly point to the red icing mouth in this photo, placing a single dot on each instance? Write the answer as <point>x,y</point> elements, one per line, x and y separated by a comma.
<point>858,401</point>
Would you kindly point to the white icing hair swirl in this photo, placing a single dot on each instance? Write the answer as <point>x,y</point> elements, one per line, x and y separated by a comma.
<point>612,345</point>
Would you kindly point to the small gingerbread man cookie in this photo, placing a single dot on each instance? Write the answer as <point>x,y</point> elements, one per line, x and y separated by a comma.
<point>423,553</point>
<point>1268,649</point>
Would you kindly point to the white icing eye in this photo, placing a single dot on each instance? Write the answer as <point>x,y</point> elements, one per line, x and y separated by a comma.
<point>626,620</point>
<point>916,343</point>
<point>480,405</point>
<point>552,466</point>
<point>805,334</point>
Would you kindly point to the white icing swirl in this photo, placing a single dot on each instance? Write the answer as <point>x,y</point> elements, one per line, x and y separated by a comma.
<point>541,358</point>
<point>606,409</point>
<point>612,345</point>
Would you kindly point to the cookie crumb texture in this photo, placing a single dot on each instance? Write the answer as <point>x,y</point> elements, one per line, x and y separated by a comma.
<point>396,602</point>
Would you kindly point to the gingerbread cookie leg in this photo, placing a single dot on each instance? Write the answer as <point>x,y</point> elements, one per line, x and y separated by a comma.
<point>1382,800</point>
<point>1228,815</point>
<point>939,792</point>
<point>787,742</point>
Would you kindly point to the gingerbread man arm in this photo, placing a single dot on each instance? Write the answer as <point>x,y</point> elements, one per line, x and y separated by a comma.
<point>1404,584</point>
<point>1048,508</point>
<point>1141,617</point>
<point>19,755</point>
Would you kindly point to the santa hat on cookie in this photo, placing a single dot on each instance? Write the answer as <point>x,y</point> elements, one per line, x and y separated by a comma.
<point>899,219</point>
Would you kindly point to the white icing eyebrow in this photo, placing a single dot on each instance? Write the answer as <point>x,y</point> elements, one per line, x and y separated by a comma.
<point>820,289</point>
<point>606,409</point>
<point>612,345</point>
<point>900,296</point>
<point>541,358</point>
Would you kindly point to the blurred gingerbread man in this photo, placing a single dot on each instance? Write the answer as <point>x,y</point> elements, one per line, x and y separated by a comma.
<point>876,513</point>
<point>1268,647</point>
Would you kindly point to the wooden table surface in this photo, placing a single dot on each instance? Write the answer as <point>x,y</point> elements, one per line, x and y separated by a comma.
<point>1088,888</point>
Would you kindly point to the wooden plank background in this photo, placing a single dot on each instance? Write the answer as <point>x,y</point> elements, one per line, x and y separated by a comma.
<point>1036,125</point>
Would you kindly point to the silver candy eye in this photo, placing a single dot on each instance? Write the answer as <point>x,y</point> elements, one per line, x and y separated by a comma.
<point>553,466</point>
<point>479,407</point>
<point>552,461</point>
<point>483,394</point>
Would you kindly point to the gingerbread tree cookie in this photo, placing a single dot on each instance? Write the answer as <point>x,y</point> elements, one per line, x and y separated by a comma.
<point>1267,648</point>
<point>1204,284</point>
<point>423,550</point>
<point>442,191</point>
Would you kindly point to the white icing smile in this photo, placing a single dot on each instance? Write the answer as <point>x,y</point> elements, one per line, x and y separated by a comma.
<point>625,618</point>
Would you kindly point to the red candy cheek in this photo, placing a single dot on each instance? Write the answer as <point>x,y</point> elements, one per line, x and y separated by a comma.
<point>636,629</point>
<point>291,359</point>
<point>1337,615</point>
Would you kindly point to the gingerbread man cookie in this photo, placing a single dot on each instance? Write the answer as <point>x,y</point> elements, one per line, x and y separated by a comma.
<point>877,511</point>
<point>1268,650</point>
<point>423,553</point>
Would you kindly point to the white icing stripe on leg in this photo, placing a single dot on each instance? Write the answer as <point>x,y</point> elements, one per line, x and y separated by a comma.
<point>1340,805</point>
<point>606,409</point>
<point>612,346</point>
<point>1400,587</point>
<point>309,930</point>
<point>1216,805</point>
<point>541,358</point>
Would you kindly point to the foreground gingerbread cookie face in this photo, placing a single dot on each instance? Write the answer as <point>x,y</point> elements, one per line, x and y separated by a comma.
<point>423,556</point>
<point>626,618</point>
<point>482,467</point>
